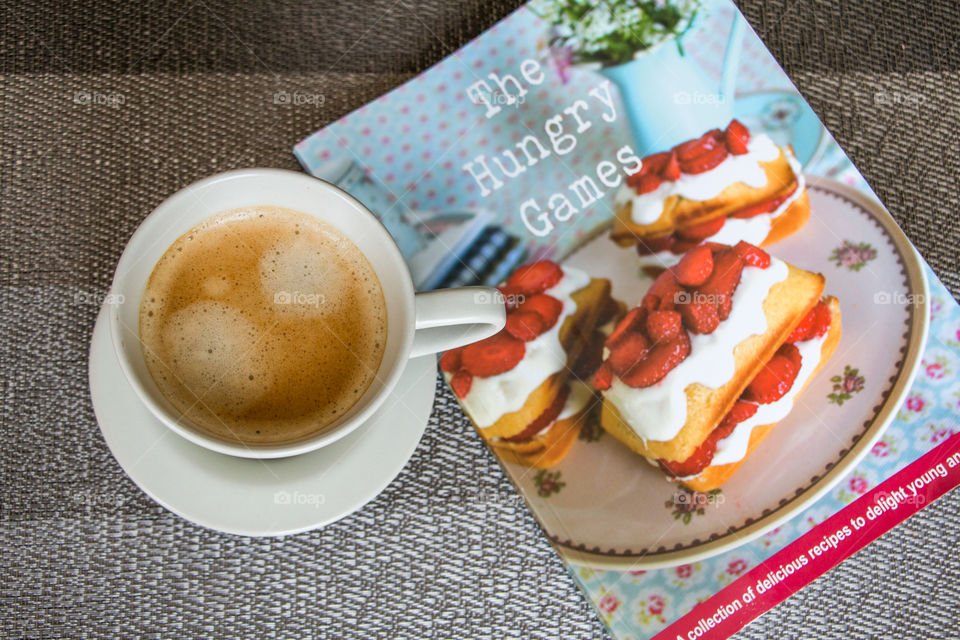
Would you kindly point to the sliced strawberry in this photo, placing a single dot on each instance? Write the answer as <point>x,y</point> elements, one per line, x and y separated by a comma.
<point>590,357</point>
<point>628,323</point>
<point>695,267</point>
<point>763,207</point>
<point>664,293</point>
<point>660,360</point>
<point>544,420</point>
<point>498,353</point>
<point>702,230</point>
<point>630,350</point>
<point>450,360</point>
<point>821,323</point>
<point>741,411</point>
<point>705,162</point>
<point>647,246</point>
<point>697,462</point>
<point>461,383</point>
<point>752,256</point>
<point>791,353</point>
<point>525,325</point>
<point>698,146</point>
<point>736,136</point>
<point>653,163</point>
<point>700,317</point>
<point>776,377</point>
<point>724,306</point>
<point>511,296</point>
<point>535,277</point>
<point>754,210</point>
<point>801,331</point>
<point>548,307</point>
<point>663,325</point>
<point>603,378</point>
<point>671,168</point>
<point>648,183</point>
<point>723,281</point>
<point>814,325</point>
<point>703,456</point>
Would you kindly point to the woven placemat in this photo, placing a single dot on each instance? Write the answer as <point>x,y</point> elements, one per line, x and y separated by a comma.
<point>107,108</point>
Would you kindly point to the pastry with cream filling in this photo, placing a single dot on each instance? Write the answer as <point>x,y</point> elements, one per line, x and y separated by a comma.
<point>523,388</point>
<point>724,187</point>
<point>716,351</point>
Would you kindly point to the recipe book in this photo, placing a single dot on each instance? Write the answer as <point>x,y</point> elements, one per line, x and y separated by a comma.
<point>725,369</point>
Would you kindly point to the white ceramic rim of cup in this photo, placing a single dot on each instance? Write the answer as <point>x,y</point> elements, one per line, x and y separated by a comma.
<point>250,188</point>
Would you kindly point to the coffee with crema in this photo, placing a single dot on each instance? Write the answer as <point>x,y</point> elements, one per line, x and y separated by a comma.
<point>263,325</point>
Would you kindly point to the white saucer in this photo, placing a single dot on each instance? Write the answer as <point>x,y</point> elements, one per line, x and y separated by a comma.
<point>258,497</point>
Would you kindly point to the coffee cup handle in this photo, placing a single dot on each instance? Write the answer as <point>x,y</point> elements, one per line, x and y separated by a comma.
<point>449,318</point>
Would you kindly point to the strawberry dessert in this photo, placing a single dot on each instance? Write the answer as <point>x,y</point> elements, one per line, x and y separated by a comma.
<point>518,386</point>
<point>723,187</point>
<point>721,340</point>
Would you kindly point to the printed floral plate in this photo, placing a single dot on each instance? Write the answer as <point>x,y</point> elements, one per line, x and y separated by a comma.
<point>604,506</point>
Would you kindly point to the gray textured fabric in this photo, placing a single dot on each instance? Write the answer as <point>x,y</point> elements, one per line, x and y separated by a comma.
<point>447,550</point>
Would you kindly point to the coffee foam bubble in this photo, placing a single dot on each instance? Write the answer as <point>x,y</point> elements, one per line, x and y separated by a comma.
<point>213,349</point>
<point>306,277</point>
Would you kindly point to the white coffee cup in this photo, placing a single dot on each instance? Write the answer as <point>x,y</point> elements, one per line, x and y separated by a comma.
<point>418,324</point>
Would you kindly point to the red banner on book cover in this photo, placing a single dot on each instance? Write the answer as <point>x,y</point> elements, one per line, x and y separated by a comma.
<point>823,547</point>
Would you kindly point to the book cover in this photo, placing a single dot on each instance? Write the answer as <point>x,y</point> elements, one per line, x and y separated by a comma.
<point>725,369</point>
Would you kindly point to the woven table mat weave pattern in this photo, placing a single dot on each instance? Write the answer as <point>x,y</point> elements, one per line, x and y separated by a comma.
<point>448,550</point>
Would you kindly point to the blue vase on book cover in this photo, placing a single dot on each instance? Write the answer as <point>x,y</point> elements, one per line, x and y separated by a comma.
<point>668,98</point>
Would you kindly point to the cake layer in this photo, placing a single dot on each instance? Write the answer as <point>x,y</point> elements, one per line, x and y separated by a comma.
<point>790,221</point>
<point>581,397</point>
<point>549,449</point>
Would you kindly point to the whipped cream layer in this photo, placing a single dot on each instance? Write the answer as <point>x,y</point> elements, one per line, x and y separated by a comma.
<point>733,448</point>
<point>753,230</point>
<point>580,396</point>
<point>647,207</point>
<point>659,412</point>
<point>492,398</point>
